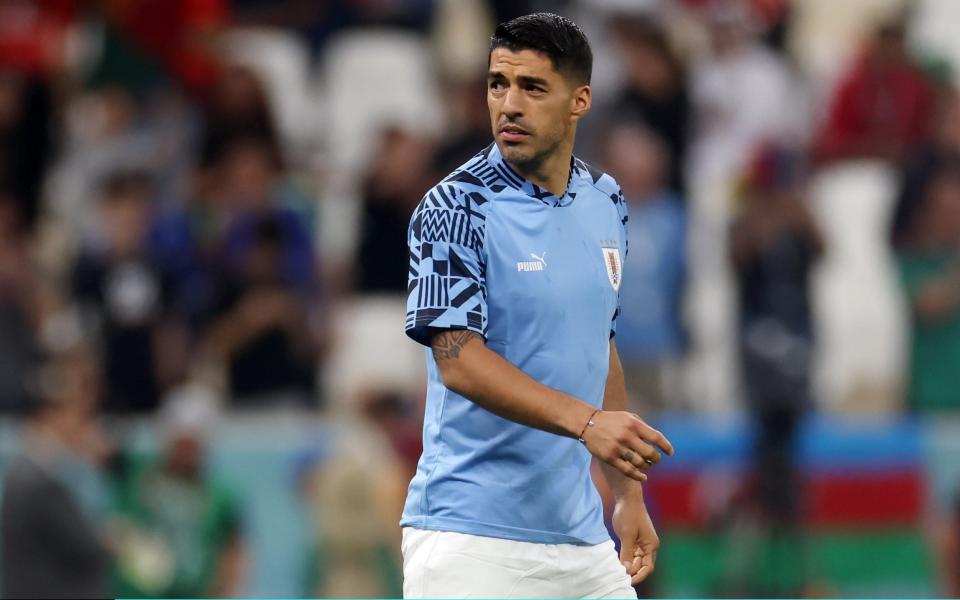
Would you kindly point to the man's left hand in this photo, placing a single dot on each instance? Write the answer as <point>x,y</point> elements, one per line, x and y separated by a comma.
<point>638,539</point>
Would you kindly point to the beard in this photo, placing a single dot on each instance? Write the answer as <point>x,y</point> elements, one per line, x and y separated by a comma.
<point>529,159</point>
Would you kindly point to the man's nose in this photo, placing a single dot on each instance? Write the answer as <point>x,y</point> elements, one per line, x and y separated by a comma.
<point>513,103</point>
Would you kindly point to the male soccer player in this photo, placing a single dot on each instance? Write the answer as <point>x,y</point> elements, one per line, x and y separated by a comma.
<point>515,264</point>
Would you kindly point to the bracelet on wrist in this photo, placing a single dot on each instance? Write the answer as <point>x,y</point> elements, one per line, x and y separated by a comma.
<point>589,424</point>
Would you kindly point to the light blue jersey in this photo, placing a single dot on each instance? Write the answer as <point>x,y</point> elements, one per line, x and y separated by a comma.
<point>538,277</point>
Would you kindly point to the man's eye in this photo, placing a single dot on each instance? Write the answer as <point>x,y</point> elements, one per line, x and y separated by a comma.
<point>535,88</point>
<point>496,85</point>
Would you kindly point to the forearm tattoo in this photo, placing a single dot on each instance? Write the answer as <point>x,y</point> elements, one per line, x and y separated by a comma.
<point>447,344</point>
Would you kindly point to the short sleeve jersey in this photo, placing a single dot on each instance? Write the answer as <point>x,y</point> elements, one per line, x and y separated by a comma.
<point>538,277</point>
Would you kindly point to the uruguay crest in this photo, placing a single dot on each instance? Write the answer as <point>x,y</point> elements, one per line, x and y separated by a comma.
<point>611,260</point>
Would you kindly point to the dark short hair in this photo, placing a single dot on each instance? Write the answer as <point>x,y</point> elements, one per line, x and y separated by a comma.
<point>557,37</point>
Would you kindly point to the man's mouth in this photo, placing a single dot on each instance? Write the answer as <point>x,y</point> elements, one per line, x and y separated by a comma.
<point>513,133</point>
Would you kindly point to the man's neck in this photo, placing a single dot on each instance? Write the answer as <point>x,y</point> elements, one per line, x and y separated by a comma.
<point>552,173</point>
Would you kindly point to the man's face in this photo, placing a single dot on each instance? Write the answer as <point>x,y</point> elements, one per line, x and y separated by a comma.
<point>533,108</point>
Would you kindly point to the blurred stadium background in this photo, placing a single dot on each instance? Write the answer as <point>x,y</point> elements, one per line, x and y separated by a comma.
<point>205,386</point>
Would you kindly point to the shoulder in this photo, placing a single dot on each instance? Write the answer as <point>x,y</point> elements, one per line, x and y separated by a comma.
<point>453,199</point>
<point>25,480</point>
<point>601,181</point>
<point>467,192</point>
<point>605,184</point>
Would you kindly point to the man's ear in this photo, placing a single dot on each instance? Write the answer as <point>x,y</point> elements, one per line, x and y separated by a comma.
<point>581,102</point>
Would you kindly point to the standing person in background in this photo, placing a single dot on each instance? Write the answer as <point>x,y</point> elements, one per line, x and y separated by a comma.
<point>515,265</point>
<point>123,296</point>
<point>929,266</point>
<point>881,107</point>
<point>650,332</point>
<point>355,494</point>
<point>928,258</point>
<point>774,245</point>
<point>178,533</point>
<point>54,496</point>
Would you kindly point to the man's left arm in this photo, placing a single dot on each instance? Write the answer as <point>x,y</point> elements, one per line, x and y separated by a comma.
<point>638,539</point>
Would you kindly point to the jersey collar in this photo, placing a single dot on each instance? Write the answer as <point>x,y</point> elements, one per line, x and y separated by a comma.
<point>517,181</point>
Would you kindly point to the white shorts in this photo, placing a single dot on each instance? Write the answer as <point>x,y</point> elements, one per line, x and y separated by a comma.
<point>444,564</point>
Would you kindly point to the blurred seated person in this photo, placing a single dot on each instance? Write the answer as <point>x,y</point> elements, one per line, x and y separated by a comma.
<point>261,326</point>
<point>655,89</point>
<point>178,533</point>
<point>398,178</point>
<point>263,332</point>
<point>249,184</point>
<point>238,108</point>
<point>929,264</point>
<point>650,332</point>
<point>122,295</point>
<point>186,243</point>
<point>471,118</point>
<point>881,107</point>
<point>54,496</point>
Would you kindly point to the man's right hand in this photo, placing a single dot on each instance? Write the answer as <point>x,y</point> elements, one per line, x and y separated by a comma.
<point>625,441</point>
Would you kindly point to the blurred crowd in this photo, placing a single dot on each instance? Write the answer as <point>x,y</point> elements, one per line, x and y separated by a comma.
<point>203,213</point>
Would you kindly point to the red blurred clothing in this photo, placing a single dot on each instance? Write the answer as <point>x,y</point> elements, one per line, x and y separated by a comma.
<point>180,34</point>
<point>878,110</point>
<point>33,34</point>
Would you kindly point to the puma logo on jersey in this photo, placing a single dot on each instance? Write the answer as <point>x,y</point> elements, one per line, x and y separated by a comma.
<point>538,264</point>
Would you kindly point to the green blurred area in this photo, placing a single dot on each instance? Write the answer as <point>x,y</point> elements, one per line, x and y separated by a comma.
<point>853,563</point>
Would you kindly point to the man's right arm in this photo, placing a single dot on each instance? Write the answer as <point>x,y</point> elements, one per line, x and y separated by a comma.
<point>479,374</point>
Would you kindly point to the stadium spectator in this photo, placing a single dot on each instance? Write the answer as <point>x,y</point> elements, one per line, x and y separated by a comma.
<point>178,533</point>
<point>929,264</point>
<point>469,114</point>
<point>398,177</point>
<point>943,147</point>
<point>124,299</point>
<point>774,245</point>
<point>650,331</point>
<point>742,94</point>
<point>174,40</point>
<point>262,327</point>
<point>108,130</point>
<point>187,244</point>
<point>882,105</point>
<point>27,138</point>
<point>355,494</point>
<point>35,34</point>
<point>18,306</point>
<point>54,496</point>
<point>654,90</point>
<point>238,109</point>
